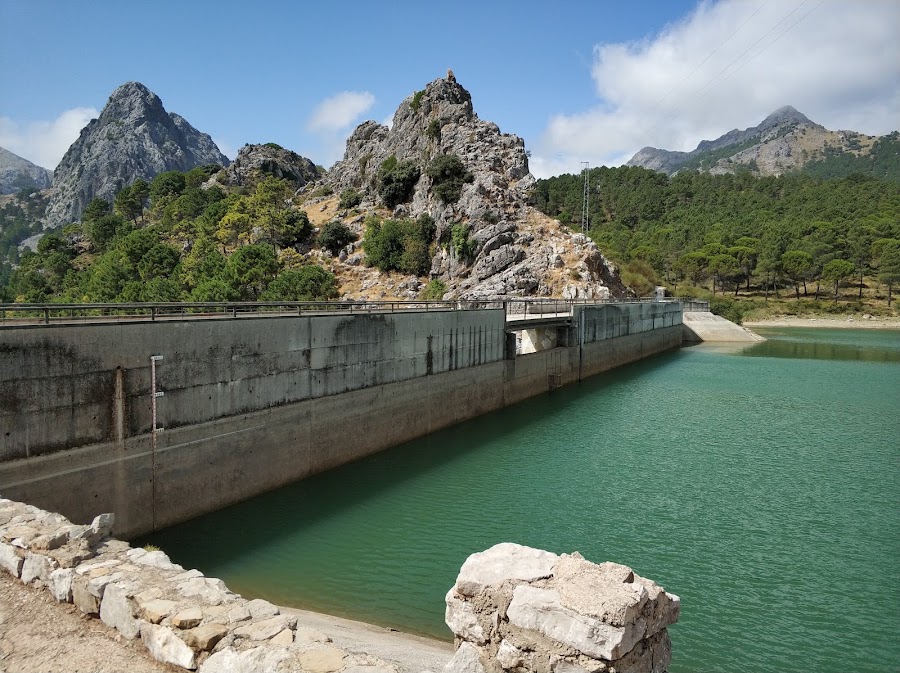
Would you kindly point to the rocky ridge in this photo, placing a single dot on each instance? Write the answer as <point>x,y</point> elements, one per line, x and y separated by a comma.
<point>254,161</point>
<point>786,140</point>
<point>17,173</point>
<point>134,137</point>
<point>514,250</point>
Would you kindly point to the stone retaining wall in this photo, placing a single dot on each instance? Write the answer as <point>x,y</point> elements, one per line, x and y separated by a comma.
<point>520,609</point>
<point>182,617</point>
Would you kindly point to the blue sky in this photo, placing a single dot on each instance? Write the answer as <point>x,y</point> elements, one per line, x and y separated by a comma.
<point>580,81</point>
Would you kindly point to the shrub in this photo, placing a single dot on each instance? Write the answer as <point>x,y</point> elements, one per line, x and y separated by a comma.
<point>728,308</point>
<point>274,146</point>
<point>399,245</point>
<point>448,175</point>
<point>350,198</point>
<point>334,236</point>
<point>416,102</point>
<point>324,190</point>
<point>308,283</point>
<point>434,129</point>
<point>460,241</point>
<point>396,180</point>
<point>434,291</point>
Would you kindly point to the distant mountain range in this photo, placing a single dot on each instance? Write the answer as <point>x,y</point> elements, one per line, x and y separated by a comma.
<point>17,173</point>
<point>786,140</point>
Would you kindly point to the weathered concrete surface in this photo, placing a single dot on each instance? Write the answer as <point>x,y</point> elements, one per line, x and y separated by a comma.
<point>705,326</point>
<point>523,609</point>
<point>254,404</point>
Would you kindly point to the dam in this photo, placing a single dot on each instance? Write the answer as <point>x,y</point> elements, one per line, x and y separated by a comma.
<point>169,414</point>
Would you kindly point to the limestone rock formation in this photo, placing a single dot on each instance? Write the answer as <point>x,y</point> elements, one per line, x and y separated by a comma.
<point>515,608</point>
<point>17,173</point>
<point>511,251</point>
<point>255,161</point>
<point>134,137</point>
<point>785,140</point>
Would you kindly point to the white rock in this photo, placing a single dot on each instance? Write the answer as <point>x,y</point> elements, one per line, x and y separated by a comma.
<point>238,613</point>
<point>85,568</point>
<point>460,617</point>
<point>541,610</point>
<point>188,618</point>
<point>165,646</point>
<point>186,575</point>
<point>509,656</point>
<point>37,566</point>
<point>10,561</point>
<point>283,638</point>
<point>261,609</point>
<point>156,610</point>
<point>61,584</point>
<point>117,611</point>
<point>466,660</point>
<point>504,561</point>
<point>255,660</point>
<point>265,629</point>
<point>157,559</point>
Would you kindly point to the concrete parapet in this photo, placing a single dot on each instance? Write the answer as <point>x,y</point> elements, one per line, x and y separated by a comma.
<point>520,609</point>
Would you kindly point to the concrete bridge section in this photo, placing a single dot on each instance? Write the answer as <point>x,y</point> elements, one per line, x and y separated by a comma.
<point>248,404</point>
<point>705,326</point>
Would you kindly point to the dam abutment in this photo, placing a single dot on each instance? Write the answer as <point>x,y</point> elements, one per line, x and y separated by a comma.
<point>250,404</point>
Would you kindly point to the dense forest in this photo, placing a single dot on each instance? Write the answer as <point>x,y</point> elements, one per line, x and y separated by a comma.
<point>734,231</point>
<point>171,240</point>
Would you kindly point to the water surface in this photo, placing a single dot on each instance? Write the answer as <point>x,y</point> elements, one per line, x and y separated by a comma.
<point>761,484</point>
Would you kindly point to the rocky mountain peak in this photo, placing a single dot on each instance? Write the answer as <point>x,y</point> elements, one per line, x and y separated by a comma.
<point>507,251</point>
<point>784,115</point>
<point>256,161</point>
<point>134,137</point>
<point>17,173</point>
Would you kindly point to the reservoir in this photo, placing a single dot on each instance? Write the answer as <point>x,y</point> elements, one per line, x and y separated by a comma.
<point>760,483</point>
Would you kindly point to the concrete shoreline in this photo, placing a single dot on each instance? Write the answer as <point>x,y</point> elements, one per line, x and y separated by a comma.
<point>827,322</point>
<point>412,653</point>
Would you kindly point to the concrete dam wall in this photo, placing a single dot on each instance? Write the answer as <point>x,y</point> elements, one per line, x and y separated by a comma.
<point>251,404</point>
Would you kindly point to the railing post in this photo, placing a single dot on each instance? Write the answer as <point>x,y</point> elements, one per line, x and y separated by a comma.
<point>152,314</point>
<point>46,316</point>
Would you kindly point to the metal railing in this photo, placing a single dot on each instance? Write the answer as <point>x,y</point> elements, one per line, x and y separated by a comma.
<point>514,309</point>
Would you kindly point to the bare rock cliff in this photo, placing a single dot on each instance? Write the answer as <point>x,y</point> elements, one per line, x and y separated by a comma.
<point>512,252</point>
<point>134,137</point>
<point>17,173</point>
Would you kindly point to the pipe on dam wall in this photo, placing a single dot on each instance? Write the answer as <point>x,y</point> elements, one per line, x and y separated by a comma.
<point>252,404</point>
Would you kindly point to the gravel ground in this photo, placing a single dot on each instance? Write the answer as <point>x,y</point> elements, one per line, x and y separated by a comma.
<point>38,634</point>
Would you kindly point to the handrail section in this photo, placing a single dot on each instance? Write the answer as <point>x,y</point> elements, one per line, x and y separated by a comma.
<point>515,309</point>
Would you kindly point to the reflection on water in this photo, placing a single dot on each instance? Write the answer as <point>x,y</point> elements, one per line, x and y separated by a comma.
<point>827,344</point>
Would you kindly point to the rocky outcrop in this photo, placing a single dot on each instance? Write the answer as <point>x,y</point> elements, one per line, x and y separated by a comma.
<point>180,616</point>
<point>134,137</point>
<point>515,608</point>
<point>256,161</point>
<point>504,254</point>
<point>17,173</point>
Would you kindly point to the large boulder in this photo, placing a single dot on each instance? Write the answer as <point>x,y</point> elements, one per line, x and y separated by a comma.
<point>523,609</point>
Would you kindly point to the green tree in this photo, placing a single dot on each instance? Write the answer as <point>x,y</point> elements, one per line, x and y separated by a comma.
<point>837,270</point>
<point>724,268</point>
<point>252,268</point>
<point>886,255</point>
<point>95,209</point>
<point>335,235</point>
<point>448,175</point>
<point>308,283</point>
<point>395,181</point>
<point>797,265</point>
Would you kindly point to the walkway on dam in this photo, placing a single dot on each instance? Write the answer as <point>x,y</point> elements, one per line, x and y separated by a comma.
<point>520,313</point>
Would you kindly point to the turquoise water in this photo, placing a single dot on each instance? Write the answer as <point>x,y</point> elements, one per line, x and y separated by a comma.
<point>761,485</point>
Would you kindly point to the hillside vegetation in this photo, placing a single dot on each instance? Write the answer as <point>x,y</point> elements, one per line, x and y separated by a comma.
<point>170,240</point>
<point>738,232</point>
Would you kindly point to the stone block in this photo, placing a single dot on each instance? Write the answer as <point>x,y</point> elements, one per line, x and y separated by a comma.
<point>156,610</point>
<point>118,611</point>
<point>188,619</point>
<point>37,566</point>
<point>204,638</point>
<point>465,660</point>
<point>264,629</point>
<point>249,661</point>
<point>61,584</point>
<point>165,646</point>
<point>10,560</point>
<point>326,659</point>
<point>84,600</point>
<point>284,638</point>
<point>260,609</point>
<point>502,562</point>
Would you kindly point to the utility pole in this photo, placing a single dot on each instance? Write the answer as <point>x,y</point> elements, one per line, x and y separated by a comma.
<point>585,217</point>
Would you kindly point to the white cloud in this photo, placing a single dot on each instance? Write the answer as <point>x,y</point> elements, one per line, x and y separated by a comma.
<point>339,111</point>
<point>331,120</point>
<point>45,142</point>
<point>727,65</point>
